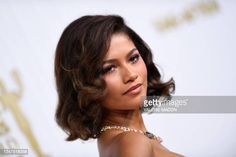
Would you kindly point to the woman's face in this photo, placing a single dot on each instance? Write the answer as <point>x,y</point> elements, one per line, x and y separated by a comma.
<point>125,74</point>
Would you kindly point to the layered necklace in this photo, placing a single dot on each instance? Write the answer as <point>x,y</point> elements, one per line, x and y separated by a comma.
<point>125,129</point>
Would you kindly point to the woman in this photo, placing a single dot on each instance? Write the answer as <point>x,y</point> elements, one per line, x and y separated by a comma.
<point>103,69</point>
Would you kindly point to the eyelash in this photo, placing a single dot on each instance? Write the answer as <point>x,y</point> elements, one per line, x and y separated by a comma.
<point>136,56</point>
<point>132,59</point>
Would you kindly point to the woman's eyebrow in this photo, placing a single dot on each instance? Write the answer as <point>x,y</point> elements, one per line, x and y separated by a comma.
<point>113,60</point>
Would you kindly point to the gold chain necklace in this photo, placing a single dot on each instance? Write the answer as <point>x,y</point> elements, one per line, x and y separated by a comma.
<point>125,129</point>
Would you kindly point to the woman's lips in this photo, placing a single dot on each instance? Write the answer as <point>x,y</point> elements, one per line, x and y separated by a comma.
<point>136,89</point>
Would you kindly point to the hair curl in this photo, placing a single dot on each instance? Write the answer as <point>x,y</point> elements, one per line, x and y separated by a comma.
<point>80,88</point>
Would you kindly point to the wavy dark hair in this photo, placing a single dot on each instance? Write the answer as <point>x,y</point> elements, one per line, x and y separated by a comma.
<point>80,87</point>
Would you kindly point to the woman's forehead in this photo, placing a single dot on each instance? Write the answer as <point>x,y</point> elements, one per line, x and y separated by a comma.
<point>120,44</point>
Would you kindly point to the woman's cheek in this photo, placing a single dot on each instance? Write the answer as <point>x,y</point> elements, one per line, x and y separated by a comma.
<point>112,83</point>
<point>142,69</point>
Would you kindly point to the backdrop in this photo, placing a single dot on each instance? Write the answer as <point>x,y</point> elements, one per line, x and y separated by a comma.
<point>193,41</point>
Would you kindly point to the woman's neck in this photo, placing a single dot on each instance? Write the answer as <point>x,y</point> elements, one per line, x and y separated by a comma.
<point>130,118</point>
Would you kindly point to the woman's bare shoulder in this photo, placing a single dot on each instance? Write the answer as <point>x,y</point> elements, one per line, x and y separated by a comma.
<point>131,144</point>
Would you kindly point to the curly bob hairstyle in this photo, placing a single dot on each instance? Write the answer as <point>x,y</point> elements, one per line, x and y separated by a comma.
<point>78,63</point>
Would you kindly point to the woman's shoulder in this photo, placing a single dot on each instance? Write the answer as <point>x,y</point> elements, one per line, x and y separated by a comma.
<point>131,144</point>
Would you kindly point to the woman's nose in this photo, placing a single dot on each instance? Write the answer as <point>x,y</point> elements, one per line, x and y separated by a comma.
<point>129,74</point>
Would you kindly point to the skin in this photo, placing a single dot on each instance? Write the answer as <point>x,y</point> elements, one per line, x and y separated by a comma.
<point>123,68</point>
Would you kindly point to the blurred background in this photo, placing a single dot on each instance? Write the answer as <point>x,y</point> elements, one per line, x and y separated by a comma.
<point>193,41</point>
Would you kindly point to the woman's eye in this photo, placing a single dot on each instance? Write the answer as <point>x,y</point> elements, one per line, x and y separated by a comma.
<point>108,69</point>
<point>134,58</point>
